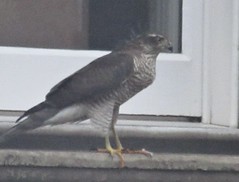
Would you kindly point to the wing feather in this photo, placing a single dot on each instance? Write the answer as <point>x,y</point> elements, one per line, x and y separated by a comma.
<point>100,76</point>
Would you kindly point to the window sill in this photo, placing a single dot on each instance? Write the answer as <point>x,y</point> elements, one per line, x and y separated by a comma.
<point>185,151</point>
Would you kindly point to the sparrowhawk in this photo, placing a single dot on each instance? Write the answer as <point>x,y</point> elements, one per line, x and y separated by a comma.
<point>97,90</point>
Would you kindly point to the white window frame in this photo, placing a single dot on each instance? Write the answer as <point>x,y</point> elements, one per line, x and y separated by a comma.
<point>220,62</point>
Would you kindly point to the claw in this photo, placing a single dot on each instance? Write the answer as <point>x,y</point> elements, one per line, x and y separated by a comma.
<point>142,151</point>
<point>120,150</point>
<point>113,152</point>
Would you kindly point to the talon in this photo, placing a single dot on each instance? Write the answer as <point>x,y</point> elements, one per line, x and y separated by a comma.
<point>147,153</point>
<point>142,151</point>
<point>113,152</point>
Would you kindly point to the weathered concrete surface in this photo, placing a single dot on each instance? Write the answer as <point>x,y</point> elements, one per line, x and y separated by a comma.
<point>158,137</point>
<point>79,159</point>
<point>146,129</point>
<point>182,152</point>
<point>25,174</point>
<point>41,165</point>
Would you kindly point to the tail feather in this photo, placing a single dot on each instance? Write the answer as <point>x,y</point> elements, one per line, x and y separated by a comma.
<point>10,133</point>
<point>35,117</point>
<point>23,126</point>
<point>34,109</point>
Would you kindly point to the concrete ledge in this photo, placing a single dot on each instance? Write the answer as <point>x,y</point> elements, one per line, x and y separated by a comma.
<point>24,174</point>
<point>182,152</point>
<point>146,129</point>
<point>24,165</point>
<point>79,159</point>
<point>158,137</point>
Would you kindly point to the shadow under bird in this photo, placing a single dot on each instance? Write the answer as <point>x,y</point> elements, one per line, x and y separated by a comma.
<point>97,90</point>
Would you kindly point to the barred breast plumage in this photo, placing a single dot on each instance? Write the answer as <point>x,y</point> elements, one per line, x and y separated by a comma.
<point>142,76</point>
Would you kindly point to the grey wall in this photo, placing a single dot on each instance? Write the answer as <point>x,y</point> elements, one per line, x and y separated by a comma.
<point>44,23</point>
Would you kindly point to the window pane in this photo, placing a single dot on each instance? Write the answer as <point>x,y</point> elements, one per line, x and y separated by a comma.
<point>115,20</point>
<point>112,21</point>
<point>166,18</point>
<point>86,24</point>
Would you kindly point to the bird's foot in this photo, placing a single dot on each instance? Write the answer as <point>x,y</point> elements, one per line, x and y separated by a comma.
<point>121,151</point>
<point>142,151</point>
<point>113,152</point>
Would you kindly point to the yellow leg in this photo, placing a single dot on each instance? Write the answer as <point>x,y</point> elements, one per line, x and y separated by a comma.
<point>117,140</point>
<point>128,151</point>
<point>117,151</point>
<point>112,151</point>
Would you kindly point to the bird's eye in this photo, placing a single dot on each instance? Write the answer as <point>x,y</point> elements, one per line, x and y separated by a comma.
<point>159,38</point>
<point>155,39</point>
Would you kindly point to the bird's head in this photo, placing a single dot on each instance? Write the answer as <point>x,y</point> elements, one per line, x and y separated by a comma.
<point>151,44</point>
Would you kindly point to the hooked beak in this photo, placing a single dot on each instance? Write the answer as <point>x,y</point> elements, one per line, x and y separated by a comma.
<point>170,47</point>
<point>167,47</point>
